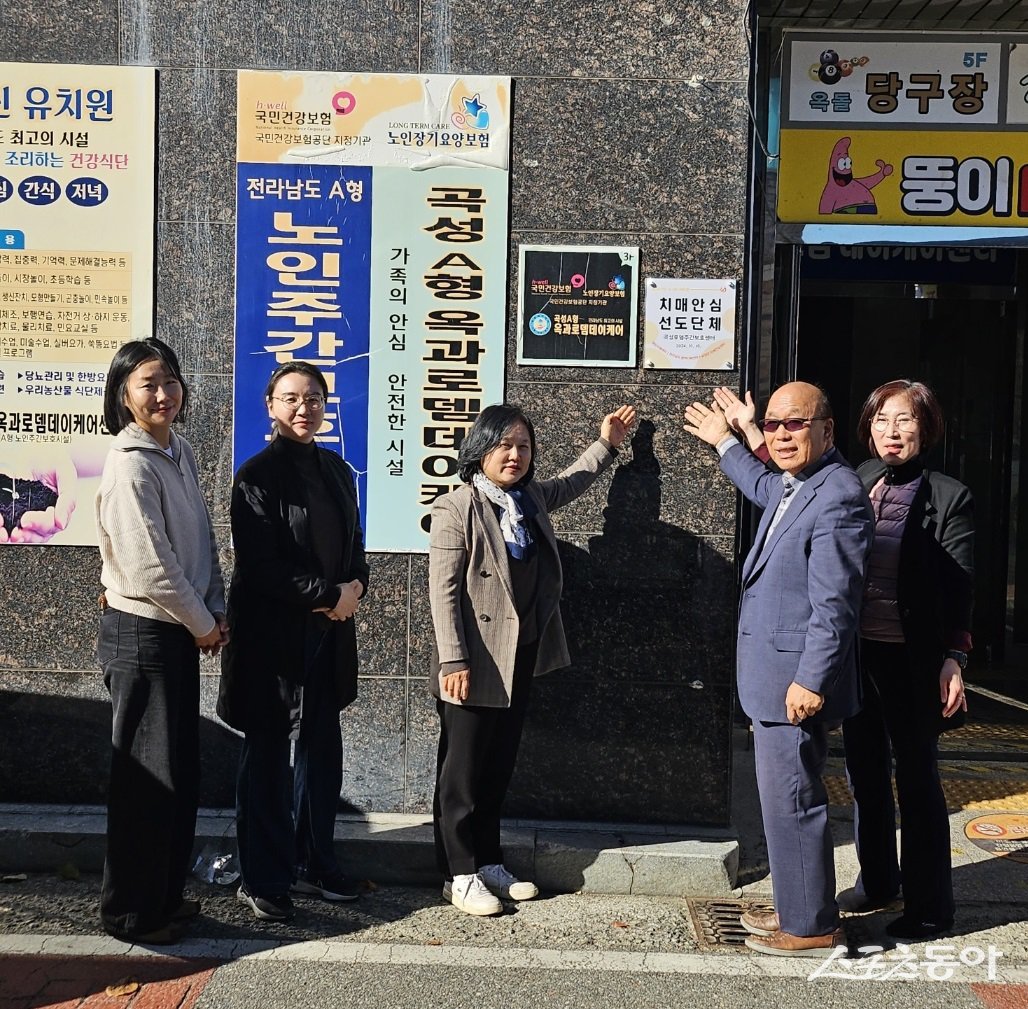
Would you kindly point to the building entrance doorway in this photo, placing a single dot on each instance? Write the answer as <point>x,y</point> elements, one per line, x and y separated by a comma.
<point>951,318</point>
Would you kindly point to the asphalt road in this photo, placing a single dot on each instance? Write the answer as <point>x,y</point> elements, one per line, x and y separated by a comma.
<point>246,984</point>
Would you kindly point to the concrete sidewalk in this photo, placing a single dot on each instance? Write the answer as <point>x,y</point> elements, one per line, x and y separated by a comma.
<point>392,849</point>
<point>603,858</point>
<point>403,947</point>
<point>620,940</point>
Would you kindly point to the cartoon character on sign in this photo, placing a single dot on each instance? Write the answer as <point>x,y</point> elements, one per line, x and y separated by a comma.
<point>844,194</point>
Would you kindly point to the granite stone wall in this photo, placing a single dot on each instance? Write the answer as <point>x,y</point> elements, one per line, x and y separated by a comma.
<point>629,127</point>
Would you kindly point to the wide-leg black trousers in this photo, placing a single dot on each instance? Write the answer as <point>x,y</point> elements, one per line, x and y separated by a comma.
<point>286,814</point>
<point>478,748</point>
<point>887,729</point>
<point>152,670</point>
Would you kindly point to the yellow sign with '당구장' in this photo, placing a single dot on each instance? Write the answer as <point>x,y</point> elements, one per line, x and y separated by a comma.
<point>904,129</point>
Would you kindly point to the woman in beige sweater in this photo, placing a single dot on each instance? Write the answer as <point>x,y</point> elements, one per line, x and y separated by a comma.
<point>164,603</point>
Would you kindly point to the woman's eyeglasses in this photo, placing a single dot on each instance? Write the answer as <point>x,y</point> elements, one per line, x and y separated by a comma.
<point>789,423</point>
<point>293,401</point>
<point>904,424</point>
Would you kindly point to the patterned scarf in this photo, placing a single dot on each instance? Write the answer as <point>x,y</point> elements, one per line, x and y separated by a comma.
<point>512,519</point>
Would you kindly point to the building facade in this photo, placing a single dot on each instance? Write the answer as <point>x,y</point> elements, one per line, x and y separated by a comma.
<point>652,126</point>
<point>629,127</point>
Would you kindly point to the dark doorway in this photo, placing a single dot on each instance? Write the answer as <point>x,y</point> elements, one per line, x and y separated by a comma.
<point>947,317</point>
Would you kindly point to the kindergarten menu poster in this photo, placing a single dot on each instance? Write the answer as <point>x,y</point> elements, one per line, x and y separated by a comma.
<point>76,280</point>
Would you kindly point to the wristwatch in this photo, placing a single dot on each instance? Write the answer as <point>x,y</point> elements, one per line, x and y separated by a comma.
<point>960,658</point>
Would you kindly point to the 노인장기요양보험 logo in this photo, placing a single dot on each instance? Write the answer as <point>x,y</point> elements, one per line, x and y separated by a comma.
<point>473,113</point>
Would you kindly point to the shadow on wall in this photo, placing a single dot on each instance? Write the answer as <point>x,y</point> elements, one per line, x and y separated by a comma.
<point>639,727</point>
<point>58,750</point>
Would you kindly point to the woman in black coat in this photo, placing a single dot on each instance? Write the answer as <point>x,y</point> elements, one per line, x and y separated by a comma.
<point>300,573</point>
<point>915,636</point>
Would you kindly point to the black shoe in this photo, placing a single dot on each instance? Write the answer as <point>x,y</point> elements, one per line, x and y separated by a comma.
<point>905,927</point>
<point>329,886</point>
<point>166,935</point>
<point>267,908</point>
<point>857,902</point>
<point>187,909</point>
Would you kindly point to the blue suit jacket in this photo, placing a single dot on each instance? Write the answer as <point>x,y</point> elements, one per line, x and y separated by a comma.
<point>801,590</point>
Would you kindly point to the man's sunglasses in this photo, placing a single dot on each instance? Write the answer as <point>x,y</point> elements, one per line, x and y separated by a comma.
<point>790,424</point>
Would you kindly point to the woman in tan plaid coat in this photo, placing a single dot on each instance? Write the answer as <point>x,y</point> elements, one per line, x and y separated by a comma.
<point>494,586</point>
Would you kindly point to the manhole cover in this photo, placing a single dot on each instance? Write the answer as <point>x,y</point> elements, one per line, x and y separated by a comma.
<point>1003,834</point>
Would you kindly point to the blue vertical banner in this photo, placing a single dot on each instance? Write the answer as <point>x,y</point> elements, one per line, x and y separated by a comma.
<point>303,280</point>
<point>371,240</point>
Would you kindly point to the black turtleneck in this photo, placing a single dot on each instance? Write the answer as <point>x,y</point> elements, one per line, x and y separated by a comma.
<point>324,517</point>
<point>905,471</point>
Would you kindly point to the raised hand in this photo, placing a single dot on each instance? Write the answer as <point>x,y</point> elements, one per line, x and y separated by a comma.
<point>741,416</point>
<point>707,423</point>
<point>615,426</point>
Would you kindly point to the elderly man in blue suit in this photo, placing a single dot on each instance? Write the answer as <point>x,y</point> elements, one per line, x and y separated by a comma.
<point>797,671</point>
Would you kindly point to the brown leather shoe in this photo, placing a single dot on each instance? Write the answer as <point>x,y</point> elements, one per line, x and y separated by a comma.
<point>783,944</point>
<point>760,922</point>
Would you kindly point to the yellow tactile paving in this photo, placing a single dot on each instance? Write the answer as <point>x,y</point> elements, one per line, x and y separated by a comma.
<point>979,734</point>
<point>961,793</point>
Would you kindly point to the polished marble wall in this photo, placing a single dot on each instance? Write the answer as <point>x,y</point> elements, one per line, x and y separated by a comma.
<point>629,127</point>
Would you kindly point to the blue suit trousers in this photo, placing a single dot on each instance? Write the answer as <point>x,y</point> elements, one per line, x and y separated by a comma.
<point>790,761</point>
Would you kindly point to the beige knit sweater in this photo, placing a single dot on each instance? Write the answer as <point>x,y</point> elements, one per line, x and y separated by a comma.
<point>156,541</point>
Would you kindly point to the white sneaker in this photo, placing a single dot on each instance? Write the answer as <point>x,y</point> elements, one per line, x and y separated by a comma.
<point>469,894</point>
<point>506,884</point>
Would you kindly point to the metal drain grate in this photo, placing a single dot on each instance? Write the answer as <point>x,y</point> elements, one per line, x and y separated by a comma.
<point>716,922</point>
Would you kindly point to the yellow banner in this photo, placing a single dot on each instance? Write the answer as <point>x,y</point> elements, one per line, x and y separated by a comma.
<point>76,280</point>
<point>421,121</point>
<point>903,177</point>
